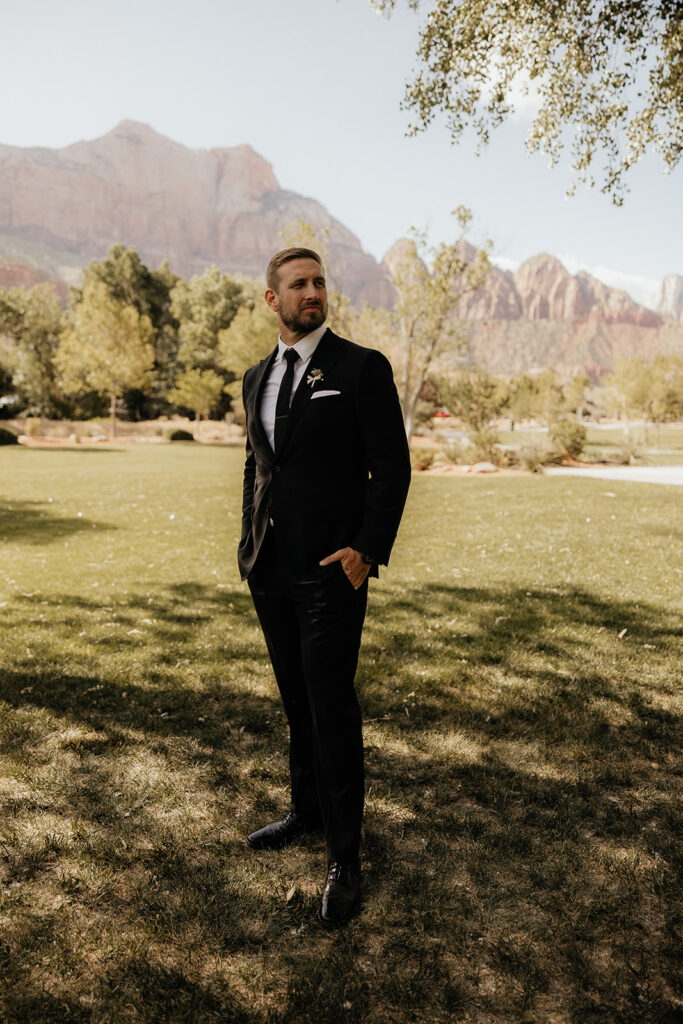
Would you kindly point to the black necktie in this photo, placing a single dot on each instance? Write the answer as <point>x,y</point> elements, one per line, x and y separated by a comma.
<point>283,397</point>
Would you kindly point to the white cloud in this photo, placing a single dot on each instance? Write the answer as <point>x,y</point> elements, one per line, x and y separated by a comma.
<point>506,263</point>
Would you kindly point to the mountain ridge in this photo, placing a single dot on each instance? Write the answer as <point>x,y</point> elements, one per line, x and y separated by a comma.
<point>60,208</point>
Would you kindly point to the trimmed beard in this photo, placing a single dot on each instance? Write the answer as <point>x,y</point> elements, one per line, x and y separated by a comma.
<point>297,325</point>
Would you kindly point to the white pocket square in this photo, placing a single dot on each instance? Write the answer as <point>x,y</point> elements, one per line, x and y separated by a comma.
<point>324,394</point>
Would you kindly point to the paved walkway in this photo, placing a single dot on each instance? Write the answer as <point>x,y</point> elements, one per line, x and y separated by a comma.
<point>639,474</point>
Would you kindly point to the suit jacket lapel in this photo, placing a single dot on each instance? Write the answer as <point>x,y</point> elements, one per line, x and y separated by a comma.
<point>259,436</point>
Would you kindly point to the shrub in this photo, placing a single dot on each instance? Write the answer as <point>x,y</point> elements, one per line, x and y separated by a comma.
<point>8,436</point>
<point>422,459</point>
<point>180,435</point>
<point>534,455</point>
<point>455,452</point>
<point>484,446</point>
<point>568,436</point>
<point>32,426</point>
<point>630,453</point>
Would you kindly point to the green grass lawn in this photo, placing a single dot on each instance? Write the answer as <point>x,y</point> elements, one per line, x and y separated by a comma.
<point>519,678</point>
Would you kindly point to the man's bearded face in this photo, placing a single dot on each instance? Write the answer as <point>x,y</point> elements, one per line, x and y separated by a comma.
<point>301,296</point>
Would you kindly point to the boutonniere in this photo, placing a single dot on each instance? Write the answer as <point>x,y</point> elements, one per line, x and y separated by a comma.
<point>314,376</point>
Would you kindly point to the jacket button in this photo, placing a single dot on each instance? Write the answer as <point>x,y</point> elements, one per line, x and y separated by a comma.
<point>276,469</point>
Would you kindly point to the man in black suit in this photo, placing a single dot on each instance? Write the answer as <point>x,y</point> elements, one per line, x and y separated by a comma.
<point>325,481</point>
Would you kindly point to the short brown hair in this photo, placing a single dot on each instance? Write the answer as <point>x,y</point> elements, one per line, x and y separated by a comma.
<point>284,256</point>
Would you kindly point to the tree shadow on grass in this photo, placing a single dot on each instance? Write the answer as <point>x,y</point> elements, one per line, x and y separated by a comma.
<point>81,449</point>
<point>34,522</point>
<point>520,838</point>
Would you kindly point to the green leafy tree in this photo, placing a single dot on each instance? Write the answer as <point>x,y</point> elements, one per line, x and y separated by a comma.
<point>665,392</point>
<point>607,73</point>
<point>204,306</point>
<point>520,399</point>
<point>627,390</point>
<point>249,338</point>
<point>30,322</point>
<point>422,334</point>
<point>474,396</point>
<point>106,346</point>
<point>198,390</point>
<point>132,283</point>
<point>575,394</point>
<point>549,401</point>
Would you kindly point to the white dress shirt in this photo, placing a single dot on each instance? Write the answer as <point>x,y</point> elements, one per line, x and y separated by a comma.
<point>304,348</point>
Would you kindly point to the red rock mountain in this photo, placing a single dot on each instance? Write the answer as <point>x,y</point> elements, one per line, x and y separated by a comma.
<point>192,207</point>
<point>61,208</point>
<point>22,276</point>
<point>670,300</point>
<point>541,315</point>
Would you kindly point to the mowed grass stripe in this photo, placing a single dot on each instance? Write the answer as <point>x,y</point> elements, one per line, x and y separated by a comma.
<point>520,682</point>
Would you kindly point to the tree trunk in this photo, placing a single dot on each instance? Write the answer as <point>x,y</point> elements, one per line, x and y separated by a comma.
<point>112,412</point>
<point>409,423</point>
<point>625,424</point>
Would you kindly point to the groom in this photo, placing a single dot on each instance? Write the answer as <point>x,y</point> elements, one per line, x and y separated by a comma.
<point>325,481</point>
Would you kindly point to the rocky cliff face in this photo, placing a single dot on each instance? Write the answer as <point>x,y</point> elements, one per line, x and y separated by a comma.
<point>192,207</point>
<point>543,289</point>
<point>19,275</point>
<point>544,316</point>
<point>670,300</point>
<point>61,208</point>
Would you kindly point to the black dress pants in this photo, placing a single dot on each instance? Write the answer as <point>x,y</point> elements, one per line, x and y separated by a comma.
<point>313,632</point>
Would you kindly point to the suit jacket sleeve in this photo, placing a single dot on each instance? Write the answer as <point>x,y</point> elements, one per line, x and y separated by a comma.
<point>388,457</point>
<point>249,473</point>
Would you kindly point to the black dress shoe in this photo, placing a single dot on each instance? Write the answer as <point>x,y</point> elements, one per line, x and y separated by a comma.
<point>280,833</point>
<point>341,895</point>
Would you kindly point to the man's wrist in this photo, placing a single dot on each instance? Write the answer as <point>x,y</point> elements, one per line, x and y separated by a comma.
<point>367,559</point>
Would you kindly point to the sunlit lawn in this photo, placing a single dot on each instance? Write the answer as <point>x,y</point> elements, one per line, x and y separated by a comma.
<point>519,678</point>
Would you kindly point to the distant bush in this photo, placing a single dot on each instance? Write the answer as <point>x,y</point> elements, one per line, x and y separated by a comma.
<point>534,455</point>
<point>630,454</point>
<point>483,446</point>
<point>568,436</point>
<point>32,426</point>
<point>180,435</point>
<point>8,436</point>
<point>455,452</point>
<point>423,459</point>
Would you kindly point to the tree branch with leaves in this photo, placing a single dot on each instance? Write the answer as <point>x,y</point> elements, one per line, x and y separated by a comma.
<point>607,76</point>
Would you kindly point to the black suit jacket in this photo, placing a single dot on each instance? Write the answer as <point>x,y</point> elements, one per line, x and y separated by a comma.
<point>342,473</point>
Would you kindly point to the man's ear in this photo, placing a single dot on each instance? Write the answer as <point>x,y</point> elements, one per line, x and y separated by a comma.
<point>272,299</point>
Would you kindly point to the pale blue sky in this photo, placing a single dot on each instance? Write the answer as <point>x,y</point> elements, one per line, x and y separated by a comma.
<point>315,87</point>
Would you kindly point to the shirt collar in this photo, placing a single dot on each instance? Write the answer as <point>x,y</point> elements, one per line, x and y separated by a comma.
<point>305,347</point>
